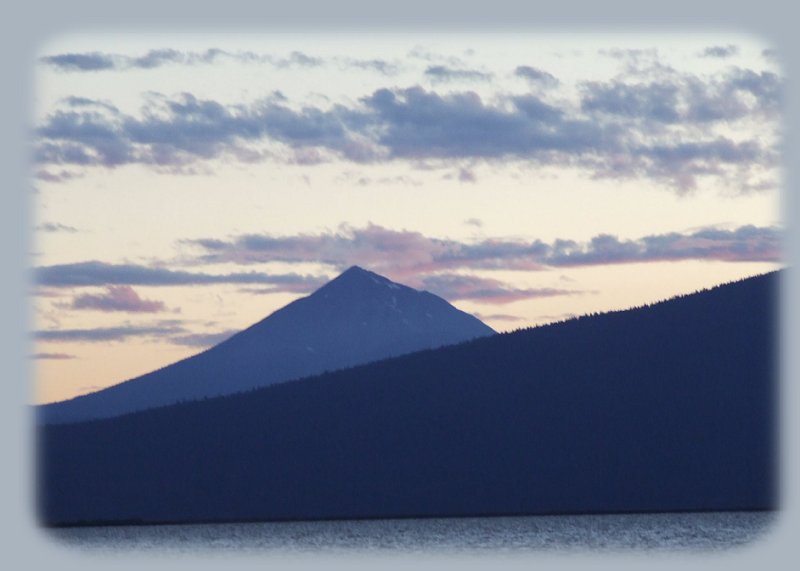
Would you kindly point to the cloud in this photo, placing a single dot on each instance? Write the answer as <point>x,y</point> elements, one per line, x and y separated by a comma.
<point>117,298</point>
<point>630,53</point>
<point>656,101</point>
<point>104,334</point>
<point>202,339</point>
<point>95,273</point>
<point>410,123</point>
<point>639,64</point>
<point>168,331</point>
<point>766,87</point>
<point>373,246</point>
<point>663,130</point>
<point>425,54</point>
<point>56,227</point>
<point>383,180</point>
<point>411,257</point>
<point>299,286</point>
<point>420,124</point>
<point>98,61</point>
<point>445,73</point>
<point>684,98</point>
<point>466,175</point>
<point>720,51</point>
<point>381,66</point>
<point>770,54</point>
<point>496,317</point>
<point>680,164</point>
<point>92,61</point>
<point>484,290</point>
<point>298,59</point>
<point>536,76</point>
<point>178,132</point>
<point>56,177</point>
<point>408,255</point>
<point>671,125</point>
<point>745,244</point>
<point>55,356</point>
<point>417,124</point>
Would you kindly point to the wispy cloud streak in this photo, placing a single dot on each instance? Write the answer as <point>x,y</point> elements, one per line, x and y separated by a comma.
<point>95,273</point>
<point>103,334</point>
<point>52,356</point>
<point>101,61</point>
<point>56,227</point>
<point>444,73</point>
<point>166,332</point>
<point>456,287</point>
<point>202,339</point>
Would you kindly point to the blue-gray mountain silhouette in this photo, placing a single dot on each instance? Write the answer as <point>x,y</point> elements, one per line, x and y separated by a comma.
<point>356,318</point>
<point>666,407</point>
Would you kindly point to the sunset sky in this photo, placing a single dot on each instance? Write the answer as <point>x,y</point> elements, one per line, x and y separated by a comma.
<point>187,186</point>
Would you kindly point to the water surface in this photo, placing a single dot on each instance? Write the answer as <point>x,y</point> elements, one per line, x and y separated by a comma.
<point>693,532</point>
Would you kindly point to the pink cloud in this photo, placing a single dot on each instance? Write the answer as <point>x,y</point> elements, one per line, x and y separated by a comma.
<point>117,298</point>
<point>485,290</point>
<point>409,255</point>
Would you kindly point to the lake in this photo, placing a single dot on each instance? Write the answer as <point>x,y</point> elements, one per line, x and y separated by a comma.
<point>684,532</point>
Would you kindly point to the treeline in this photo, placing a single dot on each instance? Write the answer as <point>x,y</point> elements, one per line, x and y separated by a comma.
<point>666,407</point>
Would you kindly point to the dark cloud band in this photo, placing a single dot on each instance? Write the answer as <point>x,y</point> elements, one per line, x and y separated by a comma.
<point>168,332</point>
<point>95,273</point>
<point>104,334</point>
<point>659,130</point>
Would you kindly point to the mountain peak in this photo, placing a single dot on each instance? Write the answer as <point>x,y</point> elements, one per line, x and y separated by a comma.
<point>356,278</point>
<point>356,318</point>
<point>357,272</point>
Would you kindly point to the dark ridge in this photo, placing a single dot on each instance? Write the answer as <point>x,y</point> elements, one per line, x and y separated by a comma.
<point>668,407</point>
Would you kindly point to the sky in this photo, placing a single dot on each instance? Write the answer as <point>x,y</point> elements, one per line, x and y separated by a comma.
<point>187,186</point>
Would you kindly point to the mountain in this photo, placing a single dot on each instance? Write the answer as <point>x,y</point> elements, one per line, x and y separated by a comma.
<point>356,318</point>
<point>667,407</point>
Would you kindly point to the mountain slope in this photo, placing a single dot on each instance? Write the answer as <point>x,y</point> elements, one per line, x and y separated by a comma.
<point>356,318</point>
<point>661,408</point>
